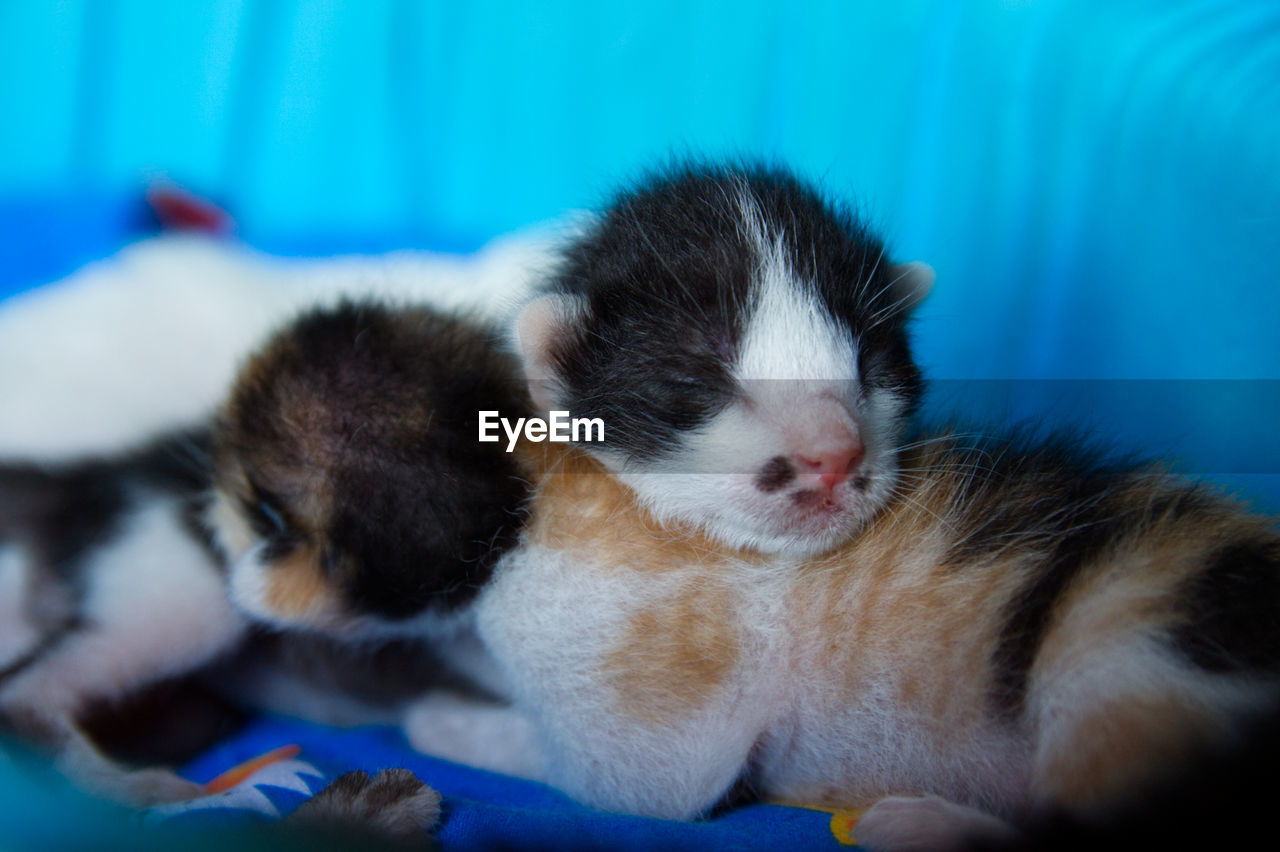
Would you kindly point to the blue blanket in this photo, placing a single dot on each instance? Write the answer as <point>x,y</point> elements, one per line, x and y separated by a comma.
<point>482,810</point>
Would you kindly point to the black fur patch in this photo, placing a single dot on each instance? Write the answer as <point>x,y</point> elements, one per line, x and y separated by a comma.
<point>667,279</point>
<point>164,724</point>
<point>775,475</point>
<point>1027,616</point>
<point>1064,497</point>
<point>59,514</point>
<point>1055,495</point>
<point>1233,610</point>
<point>373,411</point>
<point>64,511</point>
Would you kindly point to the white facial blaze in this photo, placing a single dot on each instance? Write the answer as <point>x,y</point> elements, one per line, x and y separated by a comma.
<point>797,370</point>
<point>790,336</point>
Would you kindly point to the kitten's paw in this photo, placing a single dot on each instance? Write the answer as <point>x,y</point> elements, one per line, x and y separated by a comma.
<point>927,824</point>
<point>137,788</point>
<point>393,804</point>
<point>144,788</point>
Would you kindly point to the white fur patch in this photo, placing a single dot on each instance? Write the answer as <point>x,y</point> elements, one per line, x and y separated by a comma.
<point>486,735</point>
<point>151,337</point>
<point>154,606</point>
<point>790,337</point>
<point>18,635</point>
<point>551,620</point>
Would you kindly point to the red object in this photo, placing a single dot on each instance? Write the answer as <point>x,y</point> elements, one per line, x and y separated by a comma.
<point>181,211</point>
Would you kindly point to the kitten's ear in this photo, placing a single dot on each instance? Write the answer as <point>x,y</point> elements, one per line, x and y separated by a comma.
<point>543,322</point>
<point>912,282</point>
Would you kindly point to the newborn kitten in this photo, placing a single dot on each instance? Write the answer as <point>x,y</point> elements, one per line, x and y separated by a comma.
<point>115,572</point>
<point>745,345</point>
<point>352,422</point>
<point>756,580</point>
<point>356,508</point>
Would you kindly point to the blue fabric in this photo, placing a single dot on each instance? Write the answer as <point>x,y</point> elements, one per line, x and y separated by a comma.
<point>482,810</point>
<point>488,811</point>
<point>47,236</point>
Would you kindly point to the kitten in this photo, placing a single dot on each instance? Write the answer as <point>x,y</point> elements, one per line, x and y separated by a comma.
<point>110,585</point>
<point>758,580</point>
<point>746,347</point>
<point>356,508</point>
<point>116,571</point>
<point>351,422</point>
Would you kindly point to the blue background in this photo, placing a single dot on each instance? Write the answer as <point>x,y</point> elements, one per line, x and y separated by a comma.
<point>1096,183</point>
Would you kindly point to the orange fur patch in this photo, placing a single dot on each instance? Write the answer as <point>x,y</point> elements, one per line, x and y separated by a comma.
<point>296,587</point>
<point>676,655</point>
<point>885,605</point>
<point>582,508</point>
<point>1118,745</point>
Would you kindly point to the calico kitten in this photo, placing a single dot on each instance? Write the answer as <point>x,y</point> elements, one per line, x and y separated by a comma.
<point>354,421</point>
<point>758,580</point>
<point>745,345</point>
<point>351,419</point>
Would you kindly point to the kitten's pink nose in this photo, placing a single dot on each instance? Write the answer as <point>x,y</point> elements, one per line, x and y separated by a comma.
<point>833,465</point>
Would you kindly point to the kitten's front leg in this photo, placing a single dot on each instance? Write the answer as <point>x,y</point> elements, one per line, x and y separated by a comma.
<point>606,762</point>
<point>483,734</point>
<point>81,761</point>
<point>678,771</point>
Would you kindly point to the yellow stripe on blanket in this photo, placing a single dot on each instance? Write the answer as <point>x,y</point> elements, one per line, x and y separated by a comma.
<point>843,820</point>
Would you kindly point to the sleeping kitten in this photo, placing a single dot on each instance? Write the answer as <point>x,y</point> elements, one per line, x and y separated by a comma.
<point>745,346</point>
<point>757,580</point>
<point>351,422</point>
<point>115,572</point>
<point>356,508</point>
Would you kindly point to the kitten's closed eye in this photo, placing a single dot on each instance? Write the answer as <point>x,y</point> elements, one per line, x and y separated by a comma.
<point>263,513</point>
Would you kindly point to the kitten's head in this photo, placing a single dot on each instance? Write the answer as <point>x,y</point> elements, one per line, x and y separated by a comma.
<point>744,343</point>
<point>351,494</point>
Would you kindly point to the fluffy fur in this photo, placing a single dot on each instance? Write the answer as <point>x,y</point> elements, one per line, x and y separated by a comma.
<point>112,586</point>
<point>745,345</point>
<point>351,421</point>
<point>149,340</point>
<point>1003,628</point>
